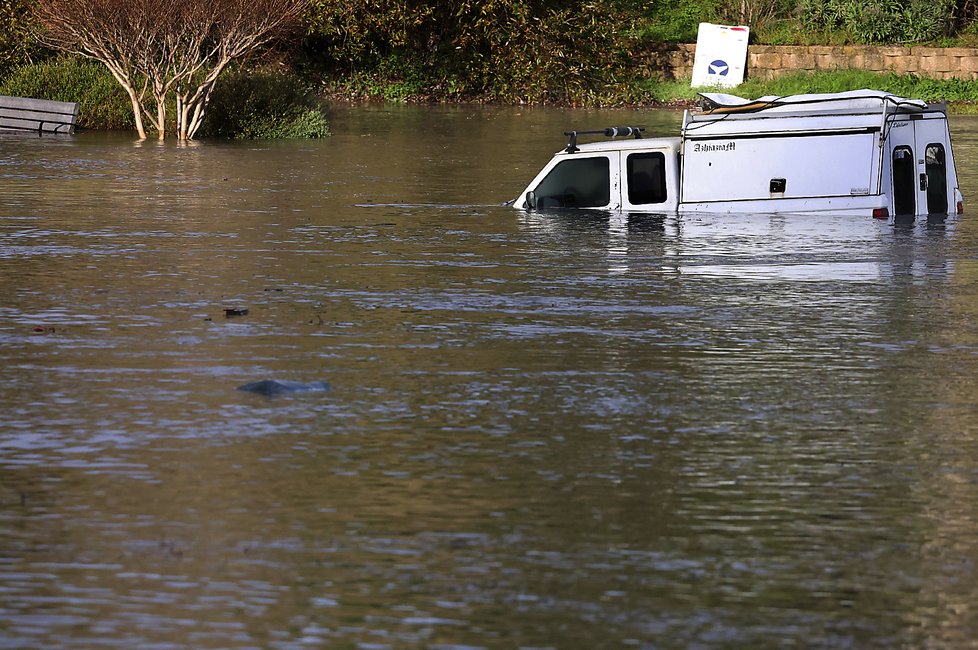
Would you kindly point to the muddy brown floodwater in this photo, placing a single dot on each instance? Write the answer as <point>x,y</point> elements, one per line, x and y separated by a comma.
<point>540,431</point>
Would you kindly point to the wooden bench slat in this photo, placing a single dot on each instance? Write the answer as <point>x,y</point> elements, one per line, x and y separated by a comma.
<point>37,115</point>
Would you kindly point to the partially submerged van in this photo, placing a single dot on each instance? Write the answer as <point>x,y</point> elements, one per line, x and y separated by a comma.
<point>861,153</point>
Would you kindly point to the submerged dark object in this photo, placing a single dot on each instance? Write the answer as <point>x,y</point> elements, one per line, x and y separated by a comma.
<point>273,387</point>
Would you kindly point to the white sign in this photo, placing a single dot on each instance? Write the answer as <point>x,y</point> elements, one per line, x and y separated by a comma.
<point>721,55</point>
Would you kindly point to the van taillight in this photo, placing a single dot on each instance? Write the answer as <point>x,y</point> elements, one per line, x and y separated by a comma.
<point>881,213</point>
<point>960,207</point>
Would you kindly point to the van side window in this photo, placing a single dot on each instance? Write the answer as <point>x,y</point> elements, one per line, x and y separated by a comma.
<point>576,183</point>
<point>904,182</point>
<point>646,178</point>
<point>935,164</point>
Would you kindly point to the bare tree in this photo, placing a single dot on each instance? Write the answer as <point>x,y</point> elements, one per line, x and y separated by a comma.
<point>161,50</point>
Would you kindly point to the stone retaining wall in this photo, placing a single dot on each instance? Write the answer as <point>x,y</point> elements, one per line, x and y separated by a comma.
<point>675,61</point>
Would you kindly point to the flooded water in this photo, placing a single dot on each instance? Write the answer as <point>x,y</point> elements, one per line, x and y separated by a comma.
<point>541,431</point>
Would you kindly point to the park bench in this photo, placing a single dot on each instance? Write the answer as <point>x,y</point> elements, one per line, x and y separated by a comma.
<point>37,115</point>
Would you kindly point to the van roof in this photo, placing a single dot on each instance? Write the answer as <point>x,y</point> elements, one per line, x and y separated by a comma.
<point>729,115</point>
<point>865,100</point>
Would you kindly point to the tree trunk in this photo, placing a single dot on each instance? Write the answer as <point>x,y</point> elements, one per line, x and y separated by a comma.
<point>197,119</point>
<point>180,116</point>
<point>137,106</point>
<point>160,95</point>
<point>137,112</point>
<point>192,116</point>
<point>166,46</point>
<point>183,117</point>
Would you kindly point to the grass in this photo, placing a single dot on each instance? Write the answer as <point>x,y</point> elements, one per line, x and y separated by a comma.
<point>962,95</point>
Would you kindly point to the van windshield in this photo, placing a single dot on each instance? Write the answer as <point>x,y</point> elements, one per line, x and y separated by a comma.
<point>576,183</point>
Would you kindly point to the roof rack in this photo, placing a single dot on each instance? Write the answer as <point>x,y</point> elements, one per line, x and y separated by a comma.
<point>611,132</point>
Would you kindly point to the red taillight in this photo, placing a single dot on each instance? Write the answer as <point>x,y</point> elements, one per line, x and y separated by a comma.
<point>881,213</point>
<point>960,207</point>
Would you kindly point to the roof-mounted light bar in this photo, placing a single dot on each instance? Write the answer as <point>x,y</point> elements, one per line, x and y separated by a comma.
<point>612,132</point>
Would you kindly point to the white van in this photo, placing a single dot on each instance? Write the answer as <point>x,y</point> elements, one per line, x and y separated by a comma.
<point>861,153</point>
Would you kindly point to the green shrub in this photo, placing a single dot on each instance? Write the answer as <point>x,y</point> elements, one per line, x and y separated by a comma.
<point>263,105</point>
<point>103,104</point>
<point>882,21</point>
<point>16,45</point>
<point>514,51</point>
<point>394,79</point>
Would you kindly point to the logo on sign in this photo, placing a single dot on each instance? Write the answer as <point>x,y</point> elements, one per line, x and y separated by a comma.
<point>719,67</point>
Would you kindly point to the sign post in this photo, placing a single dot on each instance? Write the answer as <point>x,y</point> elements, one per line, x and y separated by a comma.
<point>721,56</point>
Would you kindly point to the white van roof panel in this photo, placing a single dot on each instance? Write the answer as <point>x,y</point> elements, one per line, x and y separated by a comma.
<point>865,99</point>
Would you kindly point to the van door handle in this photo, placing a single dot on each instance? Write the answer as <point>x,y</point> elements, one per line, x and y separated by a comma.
<point>923,182</point>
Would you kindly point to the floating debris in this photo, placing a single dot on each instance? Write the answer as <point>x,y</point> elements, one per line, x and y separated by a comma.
<point>273,387</point>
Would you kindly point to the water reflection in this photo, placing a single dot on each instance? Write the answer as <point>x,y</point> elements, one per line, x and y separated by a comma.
<point>545,430</point>
<point>760,248</point>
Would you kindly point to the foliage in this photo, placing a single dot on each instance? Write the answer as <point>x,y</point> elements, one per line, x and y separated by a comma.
<point>165,52</point>
<point>882,21</point>
<point>756,13</point>
<point>568,52</point>
<point>263,105</point>
<point>678,21</point>
<point>811,21</point>
<point>102,102</point>
<point>16,45</point>
<point>534,51</point>
<point>567,55</point>
<point>395,79</point>
<point>952,90</point>
<point>244,104</point>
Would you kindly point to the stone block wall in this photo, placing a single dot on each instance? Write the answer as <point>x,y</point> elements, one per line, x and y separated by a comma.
<point>675,61</point>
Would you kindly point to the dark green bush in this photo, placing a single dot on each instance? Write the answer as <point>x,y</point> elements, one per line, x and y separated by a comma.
<point>16,45</point>
<point>534,51</point>
<point>263,105</point>
<point>103,104</point>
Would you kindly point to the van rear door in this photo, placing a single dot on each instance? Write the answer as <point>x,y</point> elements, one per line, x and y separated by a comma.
<point>935,169</point>
<point>922,166</point>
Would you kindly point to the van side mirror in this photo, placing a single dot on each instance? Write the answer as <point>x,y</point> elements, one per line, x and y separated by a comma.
<point>531,201</point>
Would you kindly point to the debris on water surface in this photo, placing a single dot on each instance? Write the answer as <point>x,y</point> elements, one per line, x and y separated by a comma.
<point>231,312</point>
<point>273,387</point>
